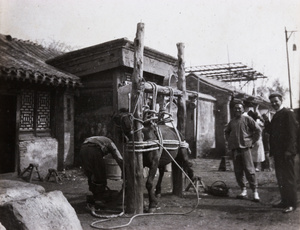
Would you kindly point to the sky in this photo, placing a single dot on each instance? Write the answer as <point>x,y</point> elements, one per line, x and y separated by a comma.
<point>213,31</point>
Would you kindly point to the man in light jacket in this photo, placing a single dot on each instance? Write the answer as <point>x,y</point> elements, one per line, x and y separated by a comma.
<point>241,133</point>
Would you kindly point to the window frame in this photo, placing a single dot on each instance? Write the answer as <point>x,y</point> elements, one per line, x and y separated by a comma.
<point>35,130</point>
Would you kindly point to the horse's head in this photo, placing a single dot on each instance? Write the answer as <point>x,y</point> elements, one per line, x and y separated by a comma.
<point>124,120</point>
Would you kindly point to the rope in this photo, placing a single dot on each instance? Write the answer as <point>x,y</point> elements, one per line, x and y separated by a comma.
<point>184,144</point>
<point>153,116</point>
<point>93,212</point>
<point>143,144</point>
<point>164,119</point>
<point>171,142</point>
<point>143,150</point>
<point>154,94</point>
<point>171,99</point>
<point>139,93</point>
<point>176,130</point>
<point>160,137</point>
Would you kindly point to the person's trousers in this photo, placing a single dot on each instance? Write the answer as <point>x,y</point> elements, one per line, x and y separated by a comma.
<point>286,178</point>
<point>243,166</point>
<point>94,167</point>
<point>266,164</point>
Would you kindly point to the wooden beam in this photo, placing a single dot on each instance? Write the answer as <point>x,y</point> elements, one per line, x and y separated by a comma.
<point>162,90</point>
<point>134,160</point>
<point>181,117</point>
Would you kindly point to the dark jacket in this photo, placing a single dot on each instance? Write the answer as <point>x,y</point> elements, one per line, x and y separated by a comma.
<point>283,132</point>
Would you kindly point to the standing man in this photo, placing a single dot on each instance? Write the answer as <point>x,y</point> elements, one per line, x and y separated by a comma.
<point>241,133</point>
<point>92,152</point>
<point>283,147</point>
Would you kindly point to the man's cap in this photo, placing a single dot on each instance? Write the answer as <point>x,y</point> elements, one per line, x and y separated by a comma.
<point>275,94</point>
<point>238,102</point>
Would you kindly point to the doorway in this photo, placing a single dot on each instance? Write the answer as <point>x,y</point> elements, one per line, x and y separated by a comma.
<point>7,133</point>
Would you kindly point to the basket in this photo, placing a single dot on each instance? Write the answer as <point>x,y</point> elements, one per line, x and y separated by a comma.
<point>218,188</point>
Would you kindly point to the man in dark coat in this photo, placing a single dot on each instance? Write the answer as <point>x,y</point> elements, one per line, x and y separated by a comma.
<point>283,147</point>
<point>92,152</point>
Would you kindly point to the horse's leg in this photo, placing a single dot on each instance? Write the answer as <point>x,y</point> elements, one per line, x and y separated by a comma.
<point>149,185</point>
<point>158,185</point>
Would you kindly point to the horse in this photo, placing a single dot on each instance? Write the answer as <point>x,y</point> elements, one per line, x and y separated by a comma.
<point>157,157</point>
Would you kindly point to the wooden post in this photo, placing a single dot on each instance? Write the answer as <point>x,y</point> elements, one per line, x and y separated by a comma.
<point>181,117</point>
<point>134,161</point>
<point>181,84</point>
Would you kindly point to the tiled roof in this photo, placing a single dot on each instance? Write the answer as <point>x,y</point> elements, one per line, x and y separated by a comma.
<point>26,61</point>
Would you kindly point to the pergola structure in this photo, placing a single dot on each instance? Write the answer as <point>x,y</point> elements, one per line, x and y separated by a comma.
<point>231,72</point>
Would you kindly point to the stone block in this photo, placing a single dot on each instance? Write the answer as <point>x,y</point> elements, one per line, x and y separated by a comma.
<point>11,190</point>
<point>47,211</point>
<point>2,227</point>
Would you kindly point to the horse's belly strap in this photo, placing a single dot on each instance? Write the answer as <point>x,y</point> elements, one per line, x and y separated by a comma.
<point>146,146</point>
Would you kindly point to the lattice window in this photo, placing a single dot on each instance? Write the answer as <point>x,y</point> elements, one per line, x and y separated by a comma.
<point>27,111</point>
<point>35,111</point>
<point>43,111</point>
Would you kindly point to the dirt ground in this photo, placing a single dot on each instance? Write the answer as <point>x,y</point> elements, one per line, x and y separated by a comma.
<point>209,212</point>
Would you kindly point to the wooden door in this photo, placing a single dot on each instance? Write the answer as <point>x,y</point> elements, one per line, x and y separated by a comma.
<point>7,133</point>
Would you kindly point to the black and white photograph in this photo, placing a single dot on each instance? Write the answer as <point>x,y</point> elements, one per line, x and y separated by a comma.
<point>139,115</point>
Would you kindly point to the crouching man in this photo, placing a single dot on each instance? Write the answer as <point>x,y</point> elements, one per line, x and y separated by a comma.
<point>92,152</point>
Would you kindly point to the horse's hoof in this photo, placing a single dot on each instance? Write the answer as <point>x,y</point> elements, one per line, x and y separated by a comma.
<point>151,210</point>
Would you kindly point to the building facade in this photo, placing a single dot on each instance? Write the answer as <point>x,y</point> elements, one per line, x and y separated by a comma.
<point>36,108</point>
<point>105,71</point>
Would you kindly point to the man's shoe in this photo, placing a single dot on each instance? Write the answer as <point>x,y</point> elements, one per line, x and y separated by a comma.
<point>279,205</point>
<point>288,209</point>
<point>242,195</point>
<point>256,197</point>
<point>99,204</point>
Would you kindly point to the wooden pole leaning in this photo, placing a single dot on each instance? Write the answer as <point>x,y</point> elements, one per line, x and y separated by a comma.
<point>181,118</point>
<point>134,160</point>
